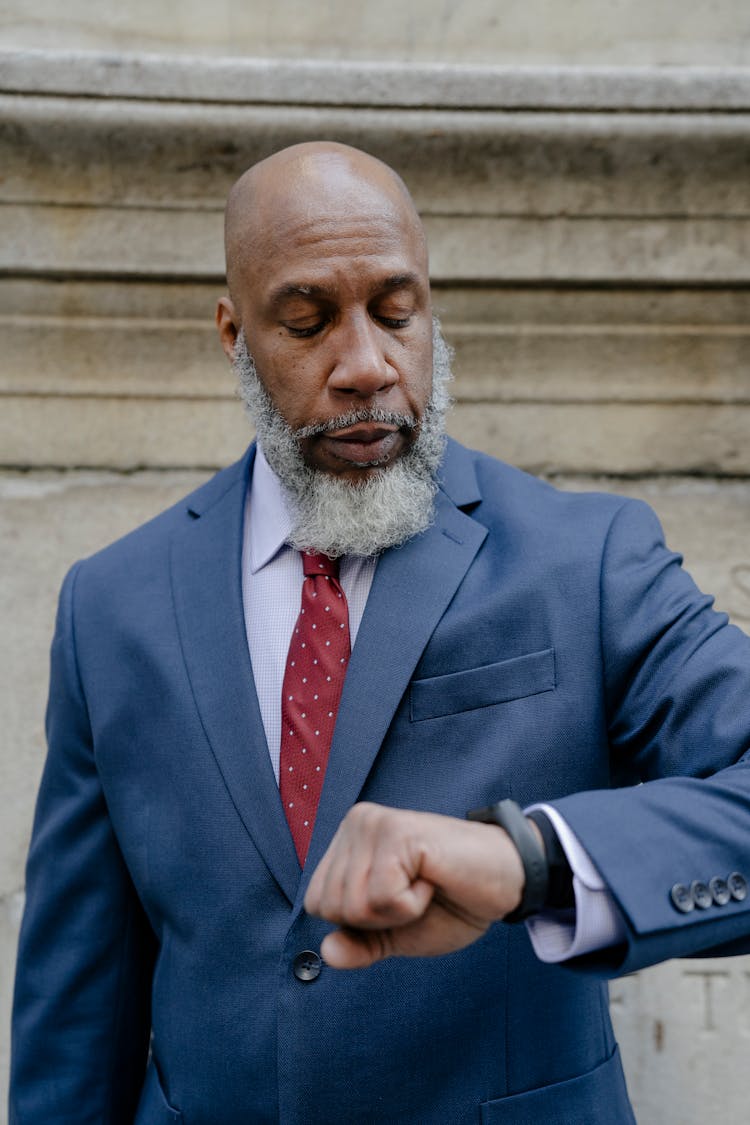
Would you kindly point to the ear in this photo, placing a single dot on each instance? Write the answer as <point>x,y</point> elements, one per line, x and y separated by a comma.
<point>228,324</point>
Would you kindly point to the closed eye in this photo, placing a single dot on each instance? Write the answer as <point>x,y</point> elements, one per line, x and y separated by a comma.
<point>395,322</point>
<point>304,333</point>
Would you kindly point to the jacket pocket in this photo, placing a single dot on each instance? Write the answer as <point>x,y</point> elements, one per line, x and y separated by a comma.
<point>482,687</point>
<point>153,1107</point>
<point>599,1097</point>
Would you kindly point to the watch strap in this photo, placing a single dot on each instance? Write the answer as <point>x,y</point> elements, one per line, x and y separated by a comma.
<point>508,815</point>
<point>560,893</point>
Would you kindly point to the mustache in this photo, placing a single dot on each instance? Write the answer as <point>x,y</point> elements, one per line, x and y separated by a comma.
<point>353,418</point>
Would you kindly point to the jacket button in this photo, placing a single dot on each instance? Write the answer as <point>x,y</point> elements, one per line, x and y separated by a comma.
<point>737,886</point>
<point>719,891</point>
<point>682,898</point>
<point>701,895</point>
<point>307,965</point>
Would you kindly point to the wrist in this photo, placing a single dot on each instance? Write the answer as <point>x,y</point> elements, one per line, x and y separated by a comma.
<point>528,841</point>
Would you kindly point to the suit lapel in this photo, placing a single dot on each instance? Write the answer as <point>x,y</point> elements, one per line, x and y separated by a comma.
<point>206,580</point>
<point>412,588</point>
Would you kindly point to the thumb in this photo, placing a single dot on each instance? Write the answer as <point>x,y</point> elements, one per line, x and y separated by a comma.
<point>355,949</point>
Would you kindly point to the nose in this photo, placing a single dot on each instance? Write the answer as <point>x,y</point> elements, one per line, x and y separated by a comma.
<point>360,366</point>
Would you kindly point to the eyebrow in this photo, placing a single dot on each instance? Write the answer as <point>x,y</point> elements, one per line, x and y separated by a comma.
<point>323,292</point>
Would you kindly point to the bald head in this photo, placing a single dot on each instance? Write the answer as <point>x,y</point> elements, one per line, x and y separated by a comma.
<point>307,186</point>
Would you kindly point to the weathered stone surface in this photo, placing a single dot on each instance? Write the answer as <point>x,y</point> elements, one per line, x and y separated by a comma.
<point>528,31</point>
<point>138,152</point>
<point>63,240</point>
<point>601,363</point>
<point>11,906</point>
<point>385,82</point>
<point>622,438</point>
<point>684,1030</point>
<point>132,357</point>
<point>113,241</point>
<point>122,433</point>
<point>588,257</point>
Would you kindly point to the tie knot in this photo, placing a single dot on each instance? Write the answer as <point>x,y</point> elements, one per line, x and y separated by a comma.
<point>319,564</point>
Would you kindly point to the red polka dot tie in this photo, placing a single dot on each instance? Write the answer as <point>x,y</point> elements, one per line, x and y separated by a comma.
<point>313,679</point>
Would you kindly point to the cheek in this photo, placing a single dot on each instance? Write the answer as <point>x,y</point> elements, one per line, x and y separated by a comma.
<point>419,382</point>
<point>293,391</point>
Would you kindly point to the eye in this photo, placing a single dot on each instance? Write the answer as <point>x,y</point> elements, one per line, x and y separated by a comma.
<point>395,321</point>
<point>305,333</point>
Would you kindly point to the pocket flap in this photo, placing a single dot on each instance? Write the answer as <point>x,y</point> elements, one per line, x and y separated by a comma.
<point>597,1098</point>
<point>482,687</point>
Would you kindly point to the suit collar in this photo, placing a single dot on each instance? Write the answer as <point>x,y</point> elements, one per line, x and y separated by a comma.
<point>457,476</point>
<point>220,485</point>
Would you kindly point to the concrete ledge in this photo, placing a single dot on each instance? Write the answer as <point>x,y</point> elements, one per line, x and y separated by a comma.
<point>255,81</point>
<point>102,151</point>
<point>66,241</point>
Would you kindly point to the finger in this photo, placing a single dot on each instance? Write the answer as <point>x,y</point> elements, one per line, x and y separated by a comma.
<point>324,893</point>
<point>345,854</point>
<point>370,875</point>
<point>354,949</point>
<point>394,896</point>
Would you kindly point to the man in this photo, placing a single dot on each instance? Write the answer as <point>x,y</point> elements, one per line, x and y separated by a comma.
<point>223,693</point>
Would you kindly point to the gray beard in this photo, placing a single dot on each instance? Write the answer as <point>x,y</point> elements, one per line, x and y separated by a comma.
<point>337,517</point>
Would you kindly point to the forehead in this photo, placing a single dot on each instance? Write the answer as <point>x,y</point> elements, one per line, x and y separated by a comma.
<point>345,240</point>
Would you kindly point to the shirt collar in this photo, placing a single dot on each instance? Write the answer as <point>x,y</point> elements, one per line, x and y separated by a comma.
<point>269,519</point>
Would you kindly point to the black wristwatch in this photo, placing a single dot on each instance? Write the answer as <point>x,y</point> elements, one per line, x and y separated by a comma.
<point>548,876</point>
<point>508,815</point>
<point>560,893</point>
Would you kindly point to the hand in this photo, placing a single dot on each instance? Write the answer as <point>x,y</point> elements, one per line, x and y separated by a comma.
<point>411,884</point>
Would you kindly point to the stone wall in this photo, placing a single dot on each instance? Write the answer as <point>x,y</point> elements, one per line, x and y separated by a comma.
<point>590,237</point>
<point>513,32</point>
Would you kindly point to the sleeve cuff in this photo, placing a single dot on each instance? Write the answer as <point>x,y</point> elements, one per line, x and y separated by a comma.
<point>595,922</point>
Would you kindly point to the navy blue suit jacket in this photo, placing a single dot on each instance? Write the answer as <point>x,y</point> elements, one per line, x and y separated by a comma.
<point>531,644</point>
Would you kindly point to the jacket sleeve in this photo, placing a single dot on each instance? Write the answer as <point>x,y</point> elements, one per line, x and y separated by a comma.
<point>677,678</point>
<point>81,1016</point>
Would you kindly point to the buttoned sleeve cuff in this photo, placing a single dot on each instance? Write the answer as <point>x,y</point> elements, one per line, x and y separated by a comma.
<point>594,923</point>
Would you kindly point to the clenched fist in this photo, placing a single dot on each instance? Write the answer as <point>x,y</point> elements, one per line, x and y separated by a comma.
<point>413,884</point>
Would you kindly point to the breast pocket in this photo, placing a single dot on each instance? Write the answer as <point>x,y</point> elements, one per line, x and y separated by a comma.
<point>522,676</point>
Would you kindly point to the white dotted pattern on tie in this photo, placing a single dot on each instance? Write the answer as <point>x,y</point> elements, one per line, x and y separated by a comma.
<point>313,681</point>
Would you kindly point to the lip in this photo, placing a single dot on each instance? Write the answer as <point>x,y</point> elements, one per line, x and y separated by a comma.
<point>363,432</point>
<point>366,444</point>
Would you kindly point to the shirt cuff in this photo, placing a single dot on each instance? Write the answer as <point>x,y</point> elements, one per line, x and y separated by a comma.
<point>595,923</point>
